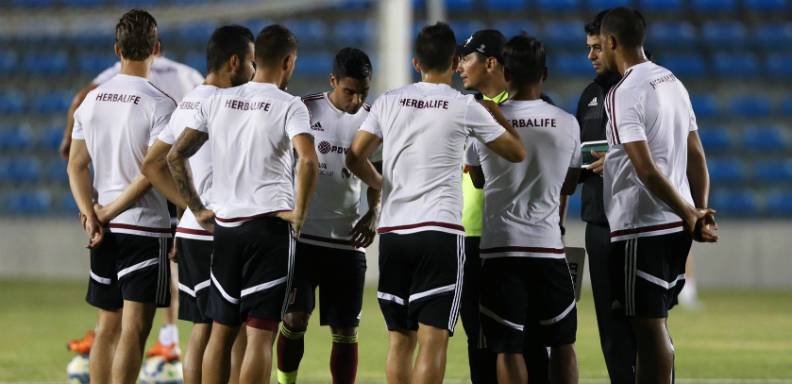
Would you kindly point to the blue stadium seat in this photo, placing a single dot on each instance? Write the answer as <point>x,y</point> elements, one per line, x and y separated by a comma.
<point>505,5</point>
<point>715,139</point>
<point>11,102</point>
<point>773,35</point>
<point>598,5</point>
<point>709,6</point>
<point>16,139</point>
<point>743,64</point>
<point>513,28</point>
<point>24,170</point>
<point>315,64</point>
<point>48,103</point>
<point>735,203</point>
<point>559,5</point>
<point>766,5</point>
<point>704,106</point>
<point>661,5</point>
<point>46,62</point>
<point>779,203</point>
<point>720,34</point>
<point>750,106</point>
<point>779,65</point>
<point>93,63</point>
<point>196,33</point>
<point>571,64</point>
<point>56,171</point>
<point>464,29</point>
<point>355,32</point>
<point>726,170</point>
<point>67,203</point>
<point>8,61</point>
<point>766,138</point>
<point>31,203</point>
<point>355,5</point>
<point>569,33</point>
<point>313,32</point>
<point>197,60</point>
<point>785,106</point>
<point>139,3</point>
<point>574,205</point>
<point>50,138</point>
<point>459,5</point>
<point>685,66</point>
<point>773,171</point>
<point>672,33</point>
<point>33,3</point>
<point>94,39</point>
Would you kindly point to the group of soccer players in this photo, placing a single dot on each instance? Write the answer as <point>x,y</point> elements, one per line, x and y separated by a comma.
<point>272,184</point>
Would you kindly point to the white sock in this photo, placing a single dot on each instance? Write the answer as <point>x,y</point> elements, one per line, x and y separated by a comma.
<point>169,334</point>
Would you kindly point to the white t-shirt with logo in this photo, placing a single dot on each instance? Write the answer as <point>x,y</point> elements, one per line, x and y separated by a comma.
<point>336,208</point>
<point>424,127</point>
<point>200,163</point>
<point>250,128</point>
<point>649,104</point>
<point>521,201</point>
<point>118,121</point>
<point>173,78</point>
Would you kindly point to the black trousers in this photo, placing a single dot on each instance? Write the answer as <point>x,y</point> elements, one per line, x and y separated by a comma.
<point>483,362</point>
<point>616,337</point>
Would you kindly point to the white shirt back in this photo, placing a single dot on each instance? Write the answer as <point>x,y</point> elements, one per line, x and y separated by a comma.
<point>521,201</point>
<point>200,163</point>
<point>336,210</point>
<point>649,104</point>
<point>173,78</point>
<point>118,121</point>
<point>250,129</point>
<point>424,127</point>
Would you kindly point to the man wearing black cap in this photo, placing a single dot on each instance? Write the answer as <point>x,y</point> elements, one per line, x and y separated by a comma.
<point>481,69</point>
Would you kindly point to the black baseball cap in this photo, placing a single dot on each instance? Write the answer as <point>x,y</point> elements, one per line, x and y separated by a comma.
<point>488,42</point>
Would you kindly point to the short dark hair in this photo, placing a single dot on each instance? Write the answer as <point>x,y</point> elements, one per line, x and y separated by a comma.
<point>435,47</point>
<point>136,35</point>
<point>352,62</point>
<point>524,59</point>
<point>227,41</point>
<point>273,43</point>
<point>593,26</point>
<point>627,25</point>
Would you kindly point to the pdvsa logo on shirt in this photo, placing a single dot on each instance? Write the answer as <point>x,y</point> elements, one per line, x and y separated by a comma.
<point>325,148</point>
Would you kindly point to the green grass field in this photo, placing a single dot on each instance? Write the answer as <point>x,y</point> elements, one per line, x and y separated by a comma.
<point>735,335</point>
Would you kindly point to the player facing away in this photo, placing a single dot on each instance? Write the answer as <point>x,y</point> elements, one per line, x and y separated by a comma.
<point>656,190</point>
<point>128,224</point>
<point>331,248</point>
<point>253,132</point>
<point>525,278</point>
<point>423,128</point>
<point>229,60</point>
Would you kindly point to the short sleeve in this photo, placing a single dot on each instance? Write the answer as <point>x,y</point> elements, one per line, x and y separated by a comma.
<point>168,135</point>
<point>577,156</point>
<point>372,122</point>
<point>472,157</point>
<point>198,120</point>
<point>627,116</point>
<point>693,122</point>
<point>480,123</point>
<point>107,74</point>
<point>298,119</point>
<point>78,133</point>
<point>162,115</point>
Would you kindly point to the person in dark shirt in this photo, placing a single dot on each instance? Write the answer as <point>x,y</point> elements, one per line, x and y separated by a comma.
<point>616,340</point>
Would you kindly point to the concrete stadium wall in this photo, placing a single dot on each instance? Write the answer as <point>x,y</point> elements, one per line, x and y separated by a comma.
<point>751,254</point>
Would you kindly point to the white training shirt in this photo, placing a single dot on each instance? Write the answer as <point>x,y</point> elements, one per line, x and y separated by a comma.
<point>173,78</point>
<point>118,121</point>
<point>521,201</point>
<point>649,104</point>
<point>250,129</point>
<point>200,163</point>
<point>424,127</point>
<point>336,208</point>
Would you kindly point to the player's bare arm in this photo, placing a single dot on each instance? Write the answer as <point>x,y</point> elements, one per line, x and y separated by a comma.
<point>80,183</point>
<point>155,168</point>
<point>67,131</point>
<point>307,175</point>
<point>508,145</point>
<point>189,142</point>
<point>658,185</point>
<point>132,193</point>
<point>366,228</point>
<point>357,160</point>
<point>567,189</point>
<point>476,176</point>
<point>698,177</point>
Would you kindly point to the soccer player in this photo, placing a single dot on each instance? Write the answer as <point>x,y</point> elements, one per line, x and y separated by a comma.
<point>423,128</point>
<point>253,132</point>
<point>330,250</point>
<point>616,339</point>
<point>525,276</point>
<point>129,267</point>
<point>656,189</point>
<point>229,60</point>
<point>481,69</point>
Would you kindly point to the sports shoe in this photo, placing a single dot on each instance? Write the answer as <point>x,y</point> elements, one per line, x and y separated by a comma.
<point>82,346</point>
<point>168,352</point>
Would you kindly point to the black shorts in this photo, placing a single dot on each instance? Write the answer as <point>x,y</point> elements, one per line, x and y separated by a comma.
<point>647,273</point>
<point>421,279</point>
<point>194,258</point>
<point>339,274</point>
<point>522,293</point>
<point>129,267</point>
<point>251,271</point>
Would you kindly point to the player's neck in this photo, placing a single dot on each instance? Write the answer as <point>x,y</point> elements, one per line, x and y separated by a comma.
<point>493,88</point>
<point>332,97</point>
<point>433,77</point>
<point>217,80</point>
<point>269,76</point>
<point>526,92</point>
<point>135,67</point>
<point>629,59</point>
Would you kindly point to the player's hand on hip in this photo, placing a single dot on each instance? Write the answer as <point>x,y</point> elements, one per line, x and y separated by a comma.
<point>94,229</point>
<point>598,165</point>
<point>172,252</point>
<point>364,231</point>
<point>102,214</point>
<point>706,230</point>
<point>295,221</point>
<point>205,218</point>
